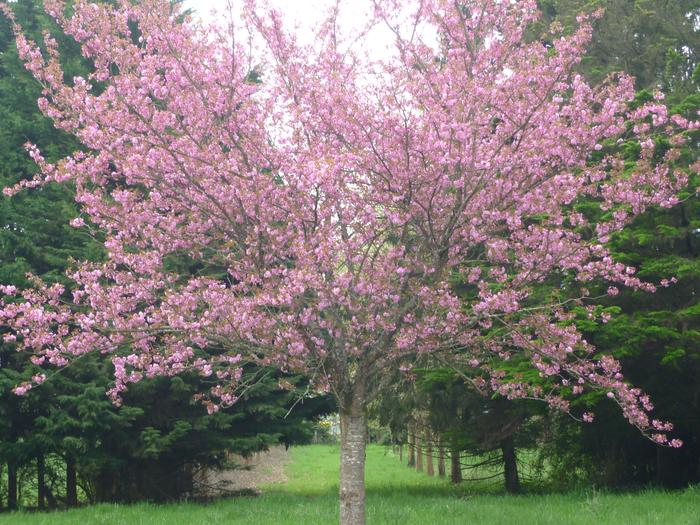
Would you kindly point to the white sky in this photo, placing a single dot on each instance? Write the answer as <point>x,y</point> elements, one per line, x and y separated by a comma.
<point>305,11</point>
<point>303,14</point>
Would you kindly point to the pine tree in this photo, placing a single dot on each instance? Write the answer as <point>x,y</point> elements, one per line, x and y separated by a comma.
<point>656,337</point>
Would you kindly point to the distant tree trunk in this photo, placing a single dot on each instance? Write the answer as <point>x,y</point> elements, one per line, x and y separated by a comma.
<point>429,453</point>
<point>456,464</point>
<point>510,466</point>
<point>441,457</point>
<point>11,486</point>
<point>71,482</point>
<point>419,452</point>
<point>411,447</point>
<point>353,440</point>
<point>401,452</point>
<point>51,499</point>
<point>187,481</point>
<point>41,481</point>
<point>672,470</point>
<point>659,466</point>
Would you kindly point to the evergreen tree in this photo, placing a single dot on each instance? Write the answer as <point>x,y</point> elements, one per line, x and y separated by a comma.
<point>656,336</point>
<point>35,236</point>
<point>657,41</point>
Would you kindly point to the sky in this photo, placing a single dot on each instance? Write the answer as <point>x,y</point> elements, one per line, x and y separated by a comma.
<point>299,12</point>
<point>303,14</point>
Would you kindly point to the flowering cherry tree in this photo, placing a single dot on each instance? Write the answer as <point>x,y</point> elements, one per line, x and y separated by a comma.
<point>323,213</point>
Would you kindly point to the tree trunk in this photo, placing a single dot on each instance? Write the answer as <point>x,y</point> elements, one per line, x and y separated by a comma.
<point>41,481</point>
<point>51,499</point>
<point>510,466</point>
<point>429,453</point>
<point>353,439</point>
<point>419,452</point>
<point>441,458</point>
<point>11,486</point>
<point>71,482</point>
<point>411,447</point>
<point>456,471</point>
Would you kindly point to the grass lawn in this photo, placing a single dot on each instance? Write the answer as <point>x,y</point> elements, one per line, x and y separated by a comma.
<point>395,495</point>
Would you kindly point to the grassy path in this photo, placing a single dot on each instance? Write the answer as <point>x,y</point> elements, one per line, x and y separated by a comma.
<point>396,496</point>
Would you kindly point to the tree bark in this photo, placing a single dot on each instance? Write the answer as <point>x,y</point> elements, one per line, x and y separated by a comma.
<point>419,452</point>
<point>441,458</point>
<point>11,486</point>
<point>429,469</point>
<point>411,447</point>
<point>71,482</point>
<point>353,440</point>
<point>456,471</point>
<point>41,481</point>
<point>510,466</point>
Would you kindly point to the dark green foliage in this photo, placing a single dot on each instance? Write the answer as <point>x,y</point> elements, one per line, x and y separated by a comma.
<point>657,41</point>
<point>657,338</point>
<point>34,232</point>
<point>151,447</point>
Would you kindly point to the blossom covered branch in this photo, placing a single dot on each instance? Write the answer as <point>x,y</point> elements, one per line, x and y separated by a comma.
<point>317,219</point>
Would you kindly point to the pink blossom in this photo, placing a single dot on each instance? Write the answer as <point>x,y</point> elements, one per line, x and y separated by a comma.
<point>332,208</point>
<point>22,389</point>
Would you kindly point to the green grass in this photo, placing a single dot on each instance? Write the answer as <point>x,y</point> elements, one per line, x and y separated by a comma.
<point>395,495</point>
